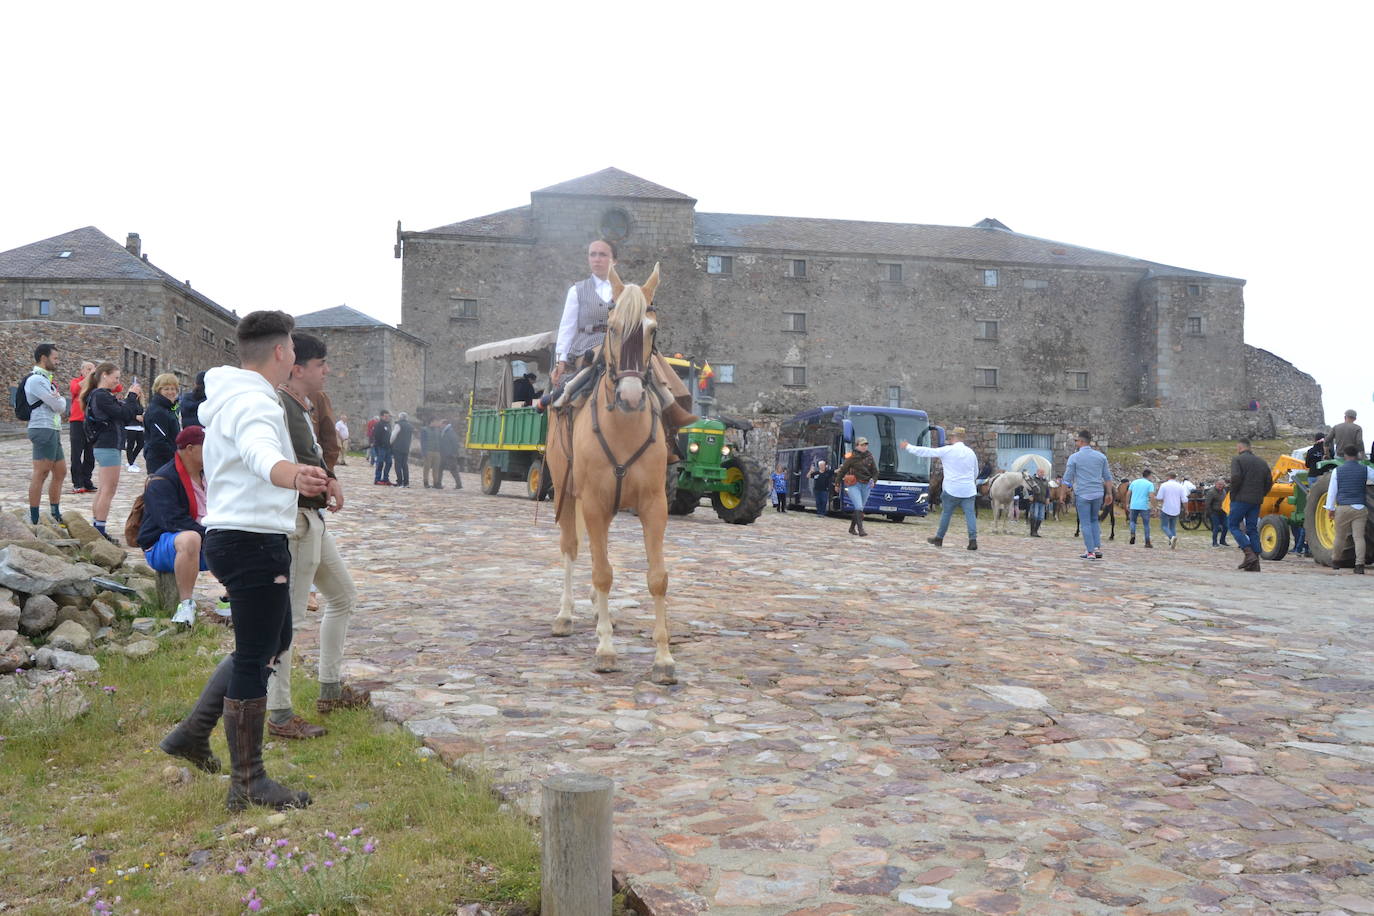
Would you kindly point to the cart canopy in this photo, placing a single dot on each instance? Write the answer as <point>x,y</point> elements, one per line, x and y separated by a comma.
<point>533,348</point>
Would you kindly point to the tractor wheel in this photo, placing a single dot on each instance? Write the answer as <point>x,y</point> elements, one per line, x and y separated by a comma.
<point>744,507</point>
<point>684,502</point>
<point>536,480</point>
<point>670,485</point>
<point>1273,537</point>
<point>1321,528</point>
<point>490,476</point>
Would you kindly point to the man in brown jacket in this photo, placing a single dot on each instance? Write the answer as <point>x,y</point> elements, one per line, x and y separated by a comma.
<point>1343,434</point>
<point>1250,483</point>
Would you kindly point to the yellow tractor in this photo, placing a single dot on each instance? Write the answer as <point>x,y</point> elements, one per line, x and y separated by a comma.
<point>1292,503</point>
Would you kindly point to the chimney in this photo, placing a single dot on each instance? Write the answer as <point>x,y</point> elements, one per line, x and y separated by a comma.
<point>134,244</point>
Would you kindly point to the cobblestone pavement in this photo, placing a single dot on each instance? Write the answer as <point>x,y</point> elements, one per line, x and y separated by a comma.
<point>875,726</point>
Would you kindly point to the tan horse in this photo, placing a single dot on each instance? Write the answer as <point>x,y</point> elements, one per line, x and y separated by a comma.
<point>618,460</point>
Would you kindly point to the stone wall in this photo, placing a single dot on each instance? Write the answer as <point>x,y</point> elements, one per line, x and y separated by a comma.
<point>371,369</point>
<point>137,328</point>
<point>1281,388</point>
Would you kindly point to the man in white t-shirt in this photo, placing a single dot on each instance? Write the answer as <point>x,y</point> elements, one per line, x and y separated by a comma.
<point>1172,495</point>
<point>960,488</point>
<point>341,429</point>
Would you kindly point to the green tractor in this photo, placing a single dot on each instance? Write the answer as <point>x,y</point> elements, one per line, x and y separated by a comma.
<point>1293,503</point>
<point>1310,511</point>
<point>711,465</point>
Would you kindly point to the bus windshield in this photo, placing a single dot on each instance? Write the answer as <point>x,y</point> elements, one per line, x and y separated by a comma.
<point>883,432</point>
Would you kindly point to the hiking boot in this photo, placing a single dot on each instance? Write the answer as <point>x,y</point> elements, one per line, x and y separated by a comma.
<point>1245,558</point>
<point>859,520</point>
<point>190,740</point>
<point>348,698</point>
<point>295,727</point>
<point>1359,569</point>
<point>243,723</point>
<point>937,541</point>
<point>972,543</point>
<point>1133,539</point>
<point>1251,563</point>
<point>675,416</point>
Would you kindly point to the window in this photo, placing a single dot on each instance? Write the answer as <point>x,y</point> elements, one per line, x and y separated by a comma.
<point>65,254</point>
<point>152,368</point>
<point>1194,290</point>
<point>984,378</point>
<point>725,374</point>
<point>722,265</point>
<point>894,272</point>
<point>795,267</point>
<point>990,278</point>
<point>794,321</point>
<point>894,395</point>
<point>794,376</point>
<point>463,309</point>
<point>615,225</point>
<point>207,335</point>
<point>44,307</point>
<point>1035,284</point>
<point>1194,325</point>
<point>183,324</point>
<point>984,330</point>
<point>125,365</point>
<point>90,310</point>
<point>1078,381</point>
<point>228,345</point>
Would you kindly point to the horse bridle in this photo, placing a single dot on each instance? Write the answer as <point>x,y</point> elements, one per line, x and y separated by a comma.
<point>617,374</point>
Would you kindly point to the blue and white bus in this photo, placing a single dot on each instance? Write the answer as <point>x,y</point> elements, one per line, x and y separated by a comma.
<point>903,484</point>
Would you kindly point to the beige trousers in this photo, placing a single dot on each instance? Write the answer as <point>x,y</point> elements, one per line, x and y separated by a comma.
<point>315,559</point>
<point>1350,524</point>
<point>433,468</point>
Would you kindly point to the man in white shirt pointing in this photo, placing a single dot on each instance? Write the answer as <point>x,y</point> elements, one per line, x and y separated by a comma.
<point>960,485</point>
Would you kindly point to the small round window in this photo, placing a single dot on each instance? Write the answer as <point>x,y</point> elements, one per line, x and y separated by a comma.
<point>615,225</point>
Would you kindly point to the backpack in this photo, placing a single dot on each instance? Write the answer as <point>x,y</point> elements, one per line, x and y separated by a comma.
<point>134,522</point>
<point>23,409</point>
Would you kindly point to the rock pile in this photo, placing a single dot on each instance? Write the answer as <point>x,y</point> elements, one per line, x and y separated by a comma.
<point>64,592</point>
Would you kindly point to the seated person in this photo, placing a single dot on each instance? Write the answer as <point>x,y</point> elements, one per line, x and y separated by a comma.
<point>524,391</point>
<point>173,505</point>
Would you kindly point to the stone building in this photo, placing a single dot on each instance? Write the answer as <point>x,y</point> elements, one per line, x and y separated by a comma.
<point>1020,338</point>
<point>100,300</point>
<point>372,366</point>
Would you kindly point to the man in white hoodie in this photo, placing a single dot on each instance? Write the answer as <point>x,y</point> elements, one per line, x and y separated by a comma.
<point>251,492</point>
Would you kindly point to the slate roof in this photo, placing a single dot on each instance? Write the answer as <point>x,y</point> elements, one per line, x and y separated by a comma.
<point>612,182</point>
<point>983,243</point>
<point>94,256</point>
<point>340,316</point>
<point>516,223</point>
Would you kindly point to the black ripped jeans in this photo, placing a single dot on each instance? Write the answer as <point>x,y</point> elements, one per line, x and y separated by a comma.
<point>256,570</point>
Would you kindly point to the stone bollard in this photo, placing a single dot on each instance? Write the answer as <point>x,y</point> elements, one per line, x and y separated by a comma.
<point>168,595</point>
<point>576,820</point>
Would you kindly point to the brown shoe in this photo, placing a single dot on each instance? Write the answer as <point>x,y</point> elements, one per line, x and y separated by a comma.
<point>295,727</point>
<point>675,416</point>
<point>348,698</point>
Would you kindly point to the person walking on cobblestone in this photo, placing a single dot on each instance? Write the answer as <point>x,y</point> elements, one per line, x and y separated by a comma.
<point>822,480</point>
<point>1216,498</point>
<point>1172,495</point>
<point>341,431</point>
<point>1346,498</point>
<point>315,557</point>
<point>780,490</point>
<point>1250,483</point>
<point>381,448</point>
<point>402,434</point>
<point>959,486</point>
<point>857,475</point>
<point>1141,489</point>
<point>429,452</point>
<point>1088,475</point>
<point>46,407</point>
<point>448,456</point>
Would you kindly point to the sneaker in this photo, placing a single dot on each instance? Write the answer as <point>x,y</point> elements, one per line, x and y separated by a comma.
<point>222,608</point>
<point>133,469</point>
<point>1097,554</point>
<point>1173,543</point>
<point>1086,556</point>
<point>186,612</point>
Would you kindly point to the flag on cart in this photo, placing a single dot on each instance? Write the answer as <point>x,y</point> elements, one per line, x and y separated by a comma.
<point>707,373</point>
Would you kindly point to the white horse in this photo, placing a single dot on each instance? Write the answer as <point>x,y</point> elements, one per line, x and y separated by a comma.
<point>1002,491</point>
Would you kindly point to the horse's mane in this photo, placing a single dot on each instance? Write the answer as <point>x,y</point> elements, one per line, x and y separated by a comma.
<point>629,310</point>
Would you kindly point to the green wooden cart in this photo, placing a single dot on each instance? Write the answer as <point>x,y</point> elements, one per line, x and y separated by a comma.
<point>510,436</point>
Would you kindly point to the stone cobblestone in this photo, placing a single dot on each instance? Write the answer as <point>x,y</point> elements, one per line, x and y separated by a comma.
<point>874,726</point>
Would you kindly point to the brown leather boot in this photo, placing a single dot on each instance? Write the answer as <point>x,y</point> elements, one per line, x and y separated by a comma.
<point>1252,561</point>
<point>190,740</point>
<point>296,727</point>
<point>243,725</point>
<point>675,416</point>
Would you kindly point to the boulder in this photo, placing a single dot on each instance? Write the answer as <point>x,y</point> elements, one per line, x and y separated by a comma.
<point>61,701</point>
<point>63,599</point>
<point>104,613</point>
<point>79,528</point>
<point>35,544</point>
<point>48,533</point>
<point>87,618</point>
<point>12,659</point>
<point>71,636</point>
<point>39,615</point>
<point>141,648</point>
<point>13,529</point>
<point>145,587</point>
<point>144,624</point>
<point>35,573</point>
<point>140,569</point>
<point>7,639</point>
<point>9,611</point>
<point>106,554</point>
<point>104,634</point>
<point>62,659</point>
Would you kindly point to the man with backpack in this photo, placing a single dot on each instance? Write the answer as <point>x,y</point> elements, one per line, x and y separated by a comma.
<point>36,400</point>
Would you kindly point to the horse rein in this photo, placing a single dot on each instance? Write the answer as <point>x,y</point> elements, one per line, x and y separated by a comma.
<point>622,469</point>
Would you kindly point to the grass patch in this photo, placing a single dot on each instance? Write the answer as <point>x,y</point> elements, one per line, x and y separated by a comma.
<point>88,806</point>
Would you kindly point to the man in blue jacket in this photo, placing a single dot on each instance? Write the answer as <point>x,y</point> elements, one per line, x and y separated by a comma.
<point>173,505</point>
<point>1091,481</point>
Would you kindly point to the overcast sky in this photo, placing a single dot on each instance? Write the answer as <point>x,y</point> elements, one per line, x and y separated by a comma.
<point>265,151</point>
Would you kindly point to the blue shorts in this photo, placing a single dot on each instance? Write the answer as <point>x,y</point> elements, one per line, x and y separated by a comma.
<point>108,458</point>
<point>162,556</point>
